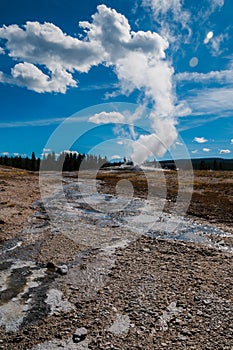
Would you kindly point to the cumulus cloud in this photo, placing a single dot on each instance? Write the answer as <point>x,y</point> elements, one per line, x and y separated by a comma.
<point>194,151</point>
<point>231,141</point>
<point>224,151</point>
<point>200,139</point>
<point>206,149</point>
<point>27,74</point>
<point>108,40</point>
<point>48,58</point>
<point>47,45</point>
<point>107,117</point>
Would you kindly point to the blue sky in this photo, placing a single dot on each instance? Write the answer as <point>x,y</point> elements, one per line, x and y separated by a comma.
<point>145,78</point>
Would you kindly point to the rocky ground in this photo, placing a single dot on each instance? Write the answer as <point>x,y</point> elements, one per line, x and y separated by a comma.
<point>18,190</point>
<point>144,294</point>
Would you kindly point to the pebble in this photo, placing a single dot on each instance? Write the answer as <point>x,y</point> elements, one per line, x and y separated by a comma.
<point>79,335</point>
<point>62,269</point>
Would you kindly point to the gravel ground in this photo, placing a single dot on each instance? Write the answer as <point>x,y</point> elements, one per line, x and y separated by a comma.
<point>149,294</point>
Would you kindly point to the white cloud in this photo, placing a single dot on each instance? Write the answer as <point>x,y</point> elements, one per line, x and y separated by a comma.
<point>138,59</point>
<point>107,117</point>
<point>217,102</point>
<point>231,141</point>
<point>162,7</point>
<point>206,149</point>
<point>1,51</point>
<point>101,86</point>
<point>108,40</point>
<point>47,45</point>
<point>28,75</point>
<point>120,142</point>
<point>200,139</point>
<point>224,76</point>
<point>216,4</point>
<point>194,151</point>
<point>224,151</point>
<point>5,153</point>
<point>1,77</point>
<point>216,43</point>
<point>39,122</point>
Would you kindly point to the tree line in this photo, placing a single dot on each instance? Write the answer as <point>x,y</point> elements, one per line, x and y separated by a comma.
<point>67,161</point>
<point>198,164</point>
<point>72,161</point>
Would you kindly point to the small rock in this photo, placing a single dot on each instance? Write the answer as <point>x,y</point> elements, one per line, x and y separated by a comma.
<point>50,265</point>
<point>185,332</point>
<point>146,250</point>
<point>182,337</point>
<point>79,335</point>
<point>62,269</point>
<point>178,321</point>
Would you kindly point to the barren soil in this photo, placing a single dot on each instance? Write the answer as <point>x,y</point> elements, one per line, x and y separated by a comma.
<point>151,294</point>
